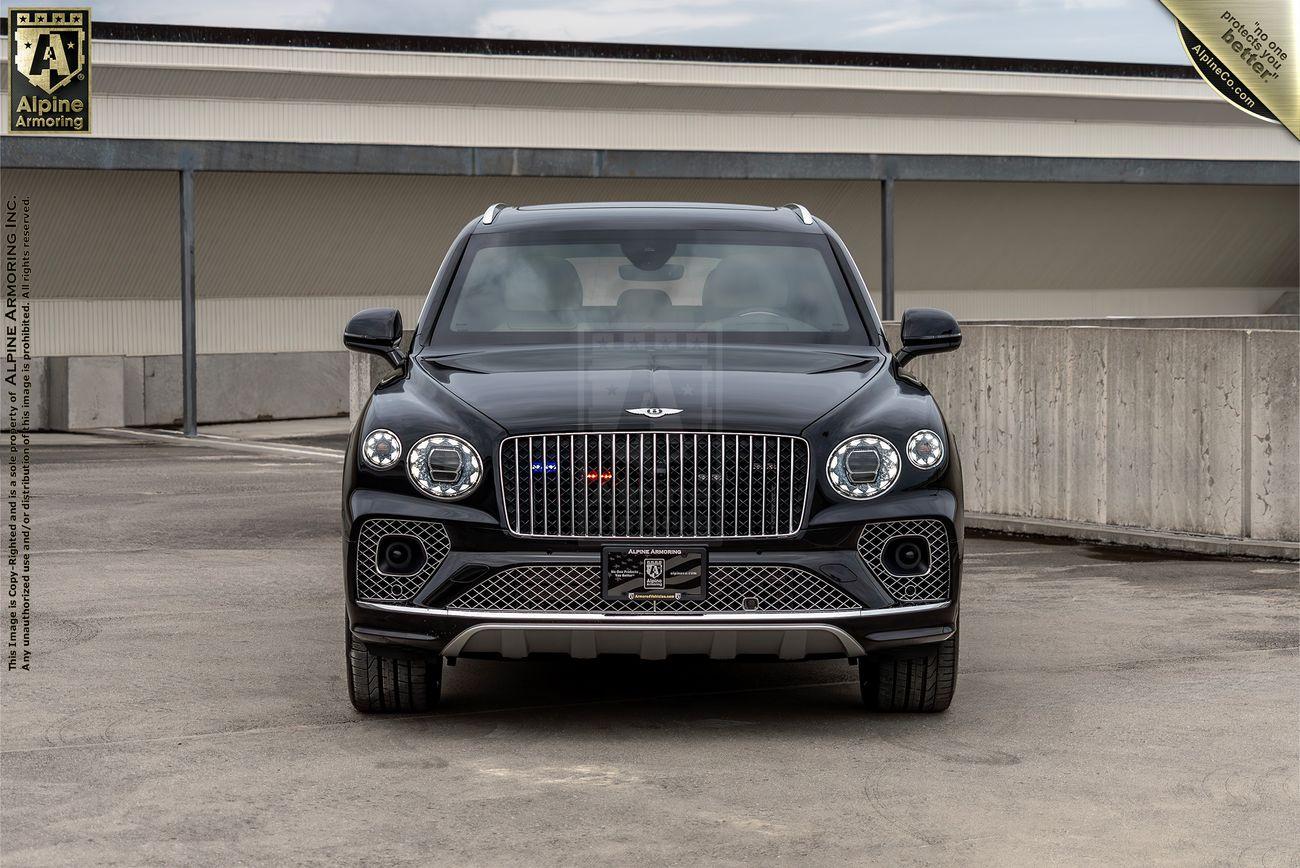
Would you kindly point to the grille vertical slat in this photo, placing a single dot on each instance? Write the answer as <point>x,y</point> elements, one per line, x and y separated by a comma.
<point>735,482</point>
<point>654,485</point>
<point>791,499</point>
<point>776,516</point>
<point>531,477</point>
<point>712,445</point>
<point>555,477</point>
<point>750,478</point>
<point>737,504</point>
<point>546,485</point>
<point>695,480</point>
<point>515,482</point>
<point>681,482</point>
<point>627,484</point>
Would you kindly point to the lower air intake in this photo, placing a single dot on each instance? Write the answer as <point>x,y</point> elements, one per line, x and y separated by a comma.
<point>373,583</point>
<point>576,588</point>
<point>931,586</point>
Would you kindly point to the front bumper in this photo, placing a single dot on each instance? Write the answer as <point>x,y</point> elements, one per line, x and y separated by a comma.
<point>516,635</point>
<point>429,622</point>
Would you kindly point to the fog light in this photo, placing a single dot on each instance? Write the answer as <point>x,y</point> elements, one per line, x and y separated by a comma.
<point>906,556</point>
<point>381,449</point>
<point>400,555</point>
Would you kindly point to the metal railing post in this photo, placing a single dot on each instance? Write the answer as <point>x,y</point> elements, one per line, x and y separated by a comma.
<point>189,352</point>
<point>887,248</point>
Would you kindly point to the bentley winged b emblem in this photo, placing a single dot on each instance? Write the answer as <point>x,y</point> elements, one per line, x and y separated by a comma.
<point>655,412</point>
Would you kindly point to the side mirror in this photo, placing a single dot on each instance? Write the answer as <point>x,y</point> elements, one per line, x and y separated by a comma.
<point>926,330</point>
<point>379,331</point>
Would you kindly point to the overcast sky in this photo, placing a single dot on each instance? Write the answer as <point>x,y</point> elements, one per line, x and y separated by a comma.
<point>1125,30</point>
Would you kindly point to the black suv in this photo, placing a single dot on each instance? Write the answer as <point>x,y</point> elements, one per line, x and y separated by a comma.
<point>652,429</point>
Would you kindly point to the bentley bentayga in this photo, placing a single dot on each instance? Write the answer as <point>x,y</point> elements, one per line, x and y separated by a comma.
<point>651,429</point>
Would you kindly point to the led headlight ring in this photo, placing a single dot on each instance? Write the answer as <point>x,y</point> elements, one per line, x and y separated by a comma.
<point>925,449</point>
<point>863,467</point>
<point>381,449</point>
<point>444,466</point>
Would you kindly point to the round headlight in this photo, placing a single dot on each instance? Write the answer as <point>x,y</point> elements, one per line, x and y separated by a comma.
<point>444,466</point>
<point>863,467</point>
<point>381,449</point>
<point>924,449</point>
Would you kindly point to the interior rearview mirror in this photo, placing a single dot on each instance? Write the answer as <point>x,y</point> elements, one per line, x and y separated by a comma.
<point>926,330</point>
<point>377,330</point>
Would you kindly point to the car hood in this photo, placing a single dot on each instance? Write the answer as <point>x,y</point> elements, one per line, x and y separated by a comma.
<point>719,388</point>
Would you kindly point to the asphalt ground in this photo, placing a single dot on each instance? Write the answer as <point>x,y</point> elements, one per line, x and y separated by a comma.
<point>187,706</point>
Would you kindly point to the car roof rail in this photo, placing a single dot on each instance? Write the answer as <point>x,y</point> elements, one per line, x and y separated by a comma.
<point>804,214</point>
<point>491,213</point>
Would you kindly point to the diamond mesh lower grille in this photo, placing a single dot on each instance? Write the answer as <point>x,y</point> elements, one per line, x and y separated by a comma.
<point>378,587</point>
<point>933,586</point>
<point>576,588</point>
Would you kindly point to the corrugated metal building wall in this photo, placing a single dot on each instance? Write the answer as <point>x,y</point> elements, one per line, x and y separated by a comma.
<point>284,257</point>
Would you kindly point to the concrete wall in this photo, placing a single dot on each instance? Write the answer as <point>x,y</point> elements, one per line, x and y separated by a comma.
<point>239,387</point>
<point>83,392</point>
<point>33,402</point>
<point>1270,322</point>
<point>1192,431</point>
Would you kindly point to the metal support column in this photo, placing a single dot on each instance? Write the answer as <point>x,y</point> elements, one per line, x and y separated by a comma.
<point>189,357</point>
<point>887,248</point>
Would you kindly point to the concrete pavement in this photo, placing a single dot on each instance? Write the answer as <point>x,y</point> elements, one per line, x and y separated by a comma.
<point>188,705</point>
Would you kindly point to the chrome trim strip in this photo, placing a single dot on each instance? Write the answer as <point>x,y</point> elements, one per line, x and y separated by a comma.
<point>803,212</point>
<point>510,526</point>
<point>491,213</point>
<point>796,618</point>
<point>851,646</point>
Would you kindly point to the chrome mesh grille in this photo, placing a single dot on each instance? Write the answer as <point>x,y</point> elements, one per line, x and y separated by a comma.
<point>374,585</point>
<point>654,485</point>
<point>576,588</point>
<point>932,587</point>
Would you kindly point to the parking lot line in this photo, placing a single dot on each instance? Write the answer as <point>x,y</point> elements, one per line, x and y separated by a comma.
<point>218,442</point>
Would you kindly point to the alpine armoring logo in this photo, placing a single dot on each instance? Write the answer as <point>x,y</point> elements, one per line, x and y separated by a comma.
<point>49,71</point>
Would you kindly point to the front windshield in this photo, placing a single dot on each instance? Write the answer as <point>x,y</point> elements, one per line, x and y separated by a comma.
<point>744,287</point>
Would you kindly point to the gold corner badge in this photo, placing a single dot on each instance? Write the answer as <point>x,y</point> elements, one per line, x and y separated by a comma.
<point>1246,50</point>
<point>49,71</point>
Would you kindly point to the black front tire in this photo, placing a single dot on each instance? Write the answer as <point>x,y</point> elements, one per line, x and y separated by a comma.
<point>913,678</point>
<point>380,683</point>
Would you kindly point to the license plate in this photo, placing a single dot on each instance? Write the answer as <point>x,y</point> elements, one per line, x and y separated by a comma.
<point>653,573</point>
